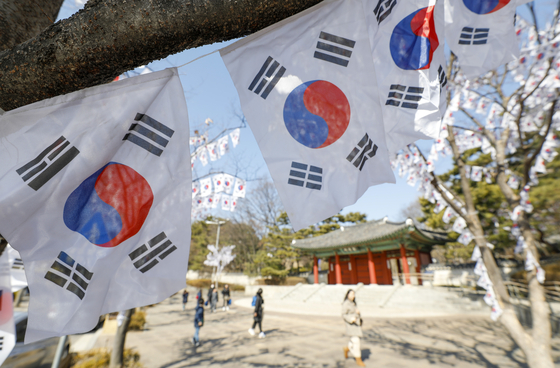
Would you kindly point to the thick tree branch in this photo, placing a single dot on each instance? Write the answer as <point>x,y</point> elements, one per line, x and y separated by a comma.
<point>21,20</point>
<point>109,37</point>
<point>485,131</point>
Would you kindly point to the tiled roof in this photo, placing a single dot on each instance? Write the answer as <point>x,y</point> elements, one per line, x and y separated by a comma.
<point>368,232</point>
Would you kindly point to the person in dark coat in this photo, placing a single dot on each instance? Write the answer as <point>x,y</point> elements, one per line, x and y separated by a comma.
<point>353,322</point>
<point>185,298</point>
<point>258,314</point>
<point>209,295</point>
<point>199,294</point>
<point>226,297</point>
<point>198,321</point>
<point>214,300</point>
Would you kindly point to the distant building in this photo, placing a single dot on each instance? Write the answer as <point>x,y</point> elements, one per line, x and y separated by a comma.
<point>375,252</point>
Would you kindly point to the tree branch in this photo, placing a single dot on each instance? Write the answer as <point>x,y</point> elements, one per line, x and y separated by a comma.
<point>109,37</point>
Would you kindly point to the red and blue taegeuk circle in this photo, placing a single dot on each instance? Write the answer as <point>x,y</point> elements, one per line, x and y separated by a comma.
<point>485,6</point>
<point>110,206</point>
<point>414,40</point>
<point>316,113</point>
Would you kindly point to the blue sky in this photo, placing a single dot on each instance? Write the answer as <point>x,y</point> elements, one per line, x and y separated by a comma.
<point>210,93</point>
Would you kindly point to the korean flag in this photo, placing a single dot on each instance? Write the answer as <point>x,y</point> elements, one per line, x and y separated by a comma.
<point>94,195</point>
<point>481,33</point>
<point>308,90</point>
<point>407,43</point>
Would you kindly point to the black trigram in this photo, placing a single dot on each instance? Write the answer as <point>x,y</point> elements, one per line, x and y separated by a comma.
<point>68,270</point>
<point>261,79</point>
<point>149,139</point>
<point>473,36</point>
<point>18,264</point>
<point>42,168</point>
<point>307,176</point>
<point>1,343</point>
<point>402,96</point>
<point>442,78</point>
<point>359,155</point>
<point>383,9</point>
<point>145,258</point>
<point>332,44</point>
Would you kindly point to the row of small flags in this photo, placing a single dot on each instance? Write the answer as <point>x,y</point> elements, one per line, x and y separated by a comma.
<point>111,191</point>
<point>218,183</point>
<point>212,151</point>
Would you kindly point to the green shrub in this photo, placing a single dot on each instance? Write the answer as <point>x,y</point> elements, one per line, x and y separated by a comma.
<point>100,358</point>
<point>205,284</point>
<point>286,281</point>
<point>137,321</point>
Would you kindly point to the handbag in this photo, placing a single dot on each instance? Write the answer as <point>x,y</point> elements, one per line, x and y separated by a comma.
<point>229,302</point>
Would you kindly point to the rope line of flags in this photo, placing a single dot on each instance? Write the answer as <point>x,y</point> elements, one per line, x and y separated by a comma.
<point>331,95</point>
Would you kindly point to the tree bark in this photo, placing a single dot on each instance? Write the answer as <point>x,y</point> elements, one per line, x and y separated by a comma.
<point>117,355</point>
<point>22,19</point>
<point>109,37</point>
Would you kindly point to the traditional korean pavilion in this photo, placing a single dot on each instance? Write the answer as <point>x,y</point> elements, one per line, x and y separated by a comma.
<point>374,252</point>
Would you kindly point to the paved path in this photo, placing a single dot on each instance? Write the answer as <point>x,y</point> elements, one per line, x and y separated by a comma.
<point>297,340</point>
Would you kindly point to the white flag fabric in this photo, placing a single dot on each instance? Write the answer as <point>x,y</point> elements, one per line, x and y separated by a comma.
<point>195,189</point>
<point>17,271</point>
<point>234,135</point>
<point>459,225</point>
<point>218,182</point>
<point>228,183</point>
<point>226,202</point>
<point>223,145</point>
<point>94,195</point>
<point>7,326</point>
<point>239,189</point>
<point>205,187</point>
<point>308,90</point>
<point>213,151</point>
<point>481,33</point>
<point>407,43</point>
<point>203,156</point>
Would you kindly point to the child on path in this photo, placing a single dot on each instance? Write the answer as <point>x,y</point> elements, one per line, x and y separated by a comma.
<point>185,298</point>
<point>198,321</point>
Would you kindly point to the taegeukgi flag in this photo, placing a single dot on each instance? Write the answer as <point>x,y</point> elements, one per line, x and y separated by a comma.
<point>94,191</point>
<point>308,90</point>
<point>481,33</point>
<point>7,327</point>
<point>407,47</point>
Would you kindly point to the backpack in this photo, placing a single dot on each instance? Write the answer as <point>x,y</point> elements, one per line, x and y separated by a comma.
<point>254,302</point>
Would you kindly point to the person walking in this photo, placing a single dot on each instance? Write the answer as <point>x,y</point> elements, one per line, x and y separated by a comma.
<point>209,295</point>
<point>353,321</point>
<point>258,314</point>
<point>214,300</point>
<point>185,298</point>
<point>198,321</point>
<point>226,297</point>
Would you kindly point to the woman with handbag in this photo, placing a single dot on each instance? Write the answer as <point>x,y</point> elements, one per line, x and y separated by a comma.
<point>353,321</point>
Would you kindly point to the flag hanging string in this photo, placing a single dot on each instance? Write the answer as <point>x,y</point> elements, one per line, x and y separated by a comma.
<point>200,57</point>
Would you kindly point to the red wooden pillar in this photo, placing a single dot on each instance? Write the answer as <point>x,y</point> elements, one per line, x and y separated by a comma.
<point>315,270</point>
<point>371,268</point>
<point>404,261</point>
<point>337,271</point>
<point>419,265</point>
<point>353,271</point>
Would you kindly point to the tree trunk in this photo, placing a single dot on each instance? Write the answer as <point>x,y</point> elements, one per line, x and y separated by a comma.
<point>22,19</point>
<point>117,355</point>
<point>109,37</point>
<point>536,347</point>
